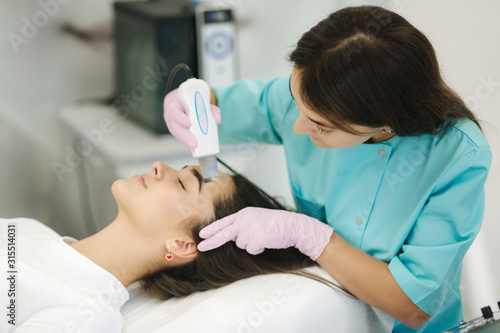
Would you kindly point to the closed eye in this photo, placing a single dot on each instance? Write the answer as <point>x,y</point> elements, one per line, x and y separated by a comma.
<point>181,184</point>
<point>323,131</point>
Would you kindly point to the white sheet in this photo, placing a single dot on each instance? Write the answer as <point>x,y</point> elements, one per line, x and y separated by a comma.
<point>267,303</point>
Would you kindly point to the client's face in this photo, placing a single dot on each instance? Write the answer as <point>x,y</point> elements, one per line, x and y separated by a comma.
<point>167,198</point>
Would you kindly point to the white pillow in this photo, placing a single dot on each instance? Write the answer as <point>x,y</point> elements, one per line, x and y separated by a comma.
<point>265,303</point>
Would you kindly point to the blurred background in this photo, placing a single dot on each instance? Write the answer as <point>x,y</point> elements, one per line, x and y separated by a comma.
<point>57,55</point>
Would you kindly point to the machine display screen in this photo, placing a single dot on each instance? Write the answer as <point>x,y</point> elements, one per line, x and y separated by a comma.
<point>218,16</point>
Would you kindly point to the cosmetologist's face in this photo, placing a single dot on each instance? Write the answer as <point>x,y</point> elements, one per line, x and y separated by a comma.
<point>165,198</point>
<point>320,131</point>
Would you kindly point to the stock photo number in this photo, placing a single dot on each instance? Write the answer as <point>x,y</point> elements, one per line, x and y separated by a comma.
<point>11,274</point>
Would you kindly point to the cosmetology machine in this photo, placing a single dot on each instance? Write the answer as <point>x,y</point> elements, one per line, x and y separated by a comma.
<point>489,322</point>
<point>194,95</point>
<point>152,37</point>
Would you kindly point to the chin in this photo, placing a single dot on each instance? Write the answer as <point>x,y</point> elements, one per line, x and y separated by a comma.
<point>117,187</point>
<point>121,191</point>
<point>116,184</point>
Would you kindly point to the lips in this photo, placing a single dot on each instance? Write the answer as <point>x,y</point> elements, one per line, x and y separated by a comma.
<point>141,179</point>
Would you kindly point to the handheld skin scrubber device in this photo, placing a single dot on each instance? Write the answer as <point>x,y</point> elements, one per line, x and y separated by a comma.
<point>194,95</point>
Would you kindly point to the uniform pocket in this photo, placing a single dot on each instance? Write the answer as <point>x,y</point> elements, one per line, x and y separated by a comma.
<point>309,207</point>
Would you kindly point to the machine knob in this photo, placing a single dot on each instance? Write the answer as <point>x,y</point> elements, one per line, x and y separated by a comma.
<point>498,303</point>
<point>487,313</point>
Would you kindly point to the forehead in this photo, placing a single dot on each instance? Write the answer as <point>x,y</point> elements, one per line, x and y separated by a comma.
<point>295,91</point>
<point>294,82</point>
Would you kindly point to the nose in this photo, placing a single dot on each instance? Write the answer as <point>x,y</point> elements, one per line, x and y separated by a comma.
<point>301,125</point>
<point>160,170</point>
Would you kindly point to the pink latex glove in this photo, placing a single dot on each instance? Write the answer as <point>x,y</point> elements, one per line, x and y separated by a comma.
<point>257,229</point>
<point>178,122</point>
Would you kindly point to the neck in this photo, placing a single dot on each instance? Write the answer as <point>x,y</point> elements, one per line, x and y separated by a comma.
<point>118,250</point>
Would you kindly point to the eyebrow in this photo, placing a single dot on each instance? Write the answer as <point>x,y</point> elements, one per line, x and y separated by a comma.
<point>196,173</point>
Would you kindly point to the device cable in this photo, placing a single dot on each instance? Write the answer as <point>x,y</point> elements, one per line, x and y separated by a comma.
<point>174,72</point>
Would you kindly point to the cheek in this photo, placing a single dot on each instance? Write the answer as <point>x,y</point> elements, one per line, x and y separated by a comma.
<point>173,212</point>
<point>321,143</point>
<point>164,204</point>
<point>174,208</point>
<point>158,218</point>
<point>342,140</point>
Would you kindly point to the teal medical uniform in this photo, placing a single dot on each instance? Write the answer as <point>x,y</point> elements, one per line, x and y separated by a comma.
<point>416,203</point>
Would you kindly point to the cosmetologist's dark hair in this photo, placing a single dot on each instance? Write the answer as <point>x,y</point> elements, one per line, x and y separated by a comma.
<point>228,263</point>
<point>369,66</point>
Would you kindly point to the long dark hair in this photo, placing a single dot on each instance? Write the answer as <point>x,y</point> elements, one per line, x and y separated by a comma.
<point>228,263</point>
<point>369,66</point>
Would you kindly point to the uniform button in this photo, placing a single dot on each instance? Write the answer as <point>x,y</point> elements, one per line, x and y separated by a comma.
<point>381,152</point>
<point>359,221</point>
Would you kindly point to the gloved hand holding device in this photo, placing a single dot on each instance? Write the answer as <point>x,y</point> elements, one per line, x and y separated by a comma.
<point>257,229</point>
<point>178,122</point>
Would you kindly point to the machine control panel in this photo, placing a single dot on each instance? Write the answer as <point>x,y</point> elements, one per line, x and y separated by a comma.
<point>216,36</point>
<point>489,322</point>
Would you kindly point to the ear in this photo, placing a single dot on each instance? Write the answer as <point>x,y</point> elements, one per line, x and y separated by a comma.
<point>182,247</point>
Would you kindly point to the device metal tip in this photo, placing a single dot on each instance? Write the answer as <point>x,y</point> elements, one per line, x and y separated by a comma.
<point>208,166</point>
<point>210,179</point>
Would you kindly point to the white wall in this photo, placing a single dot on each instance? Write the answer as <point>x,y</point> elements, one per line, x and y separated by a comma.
<point>52,69</point>
<point>464,34</point>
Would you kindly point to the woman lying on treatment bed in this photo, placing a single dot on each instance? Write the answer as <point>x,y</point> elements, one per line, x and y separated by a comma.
<point>64,285</point>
